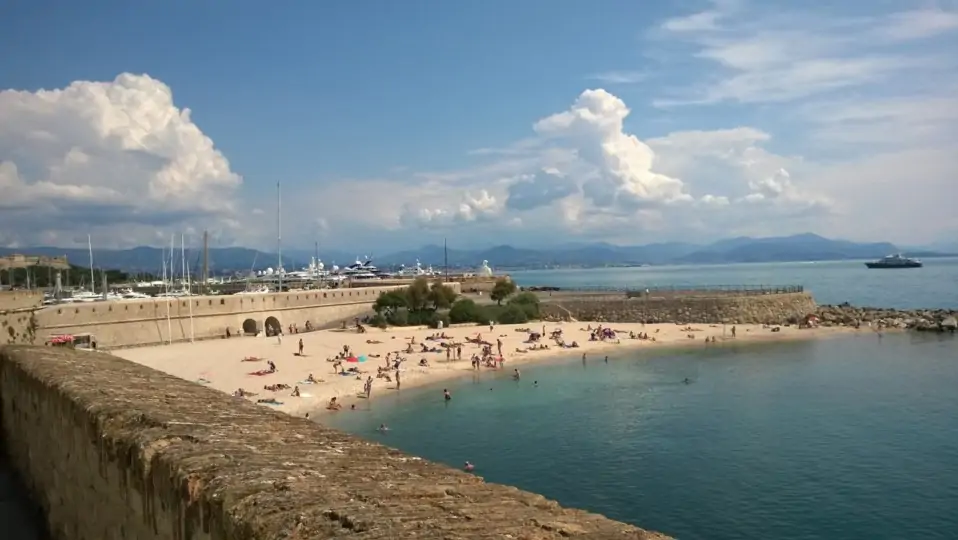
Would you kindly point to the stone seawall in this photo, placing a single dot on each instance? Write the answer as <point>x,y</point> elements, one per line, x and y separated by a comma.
<point>114,450</point>
<point>160,320</point>
<point>15,300</point>
<point>753,309</point>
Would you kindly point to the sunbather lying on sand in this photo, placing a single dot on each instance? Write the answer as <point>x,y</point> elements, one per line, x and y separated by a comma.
<point>269,401</point>
<point>243,393</point>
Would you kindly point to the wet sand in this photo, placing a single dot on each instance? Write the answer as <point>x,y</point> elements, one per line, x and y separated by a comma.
<point>220,364</point>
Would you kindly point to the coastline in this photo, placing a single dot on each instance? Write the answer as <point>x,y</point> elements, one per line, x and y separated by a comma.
<point>219,363</point>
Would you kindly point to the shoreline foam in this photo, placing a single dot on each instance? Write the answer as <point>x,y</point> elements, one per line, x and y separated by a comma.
<point>218,363</point>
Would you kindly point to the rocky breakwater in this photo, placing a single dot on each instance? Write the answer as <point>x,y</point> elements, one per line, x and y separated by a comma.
<point>923,320</point>
<point>704,308</point>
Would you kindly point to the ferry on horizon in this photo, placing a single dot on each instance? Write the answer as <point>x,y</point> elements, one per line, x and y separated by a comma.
<point>895,261</point>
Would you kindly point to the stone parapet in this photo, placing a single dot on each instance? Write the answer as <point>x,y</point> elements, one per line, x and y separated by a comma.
<point>754,309</point>
<point>114,450</point>
<point>17,300</point>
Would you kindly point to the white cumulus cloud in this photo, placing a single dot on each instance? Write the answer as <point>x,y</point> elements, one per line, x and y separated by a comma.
<point>117,156</point>
<point>594,126</point>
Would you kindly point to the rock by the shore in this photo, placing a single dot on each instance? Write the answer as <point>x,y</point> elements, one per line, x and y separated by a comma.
<point>925,320</point>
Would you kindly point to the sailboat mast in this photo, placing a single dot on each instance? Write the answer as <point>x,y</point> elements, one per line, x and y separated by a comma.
<point>183,257</point>
<point>279,235</point>
<point>169,322</point>
<point>189,292</point>
<point>89,243</point>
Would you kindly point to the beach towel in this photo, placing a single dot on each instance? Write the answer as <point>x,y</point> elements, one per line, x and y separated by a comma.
<point>274,403</point>
<point>304,394</point>
<point>252,359</point>
<point>306,382</point>
<point>201,380</point>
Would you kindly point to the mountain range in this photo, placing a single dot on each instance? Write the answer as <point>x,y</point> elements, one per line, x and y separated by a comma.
<point>801,247</point>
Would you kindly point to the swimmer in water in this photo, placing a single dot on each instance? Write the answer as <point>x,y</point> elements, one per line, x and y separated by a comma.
<point>383,427</point>
<point>516,376</point>
<point>686,381</point>
<point>468,467</point>
<point>446,395</point>
<point>535,383</point>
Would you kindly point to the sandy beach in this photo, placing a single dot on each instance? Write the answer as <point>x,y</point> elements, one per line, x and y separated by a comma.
<point>228,364</point>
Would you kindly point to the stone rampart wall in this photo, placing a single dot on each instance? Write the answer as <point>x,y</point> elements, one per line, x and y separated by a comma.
<point>17,327</point>
<point>110,449</point>
<point>770,308</point>
<point>13,300</point>
<point>160,320</point>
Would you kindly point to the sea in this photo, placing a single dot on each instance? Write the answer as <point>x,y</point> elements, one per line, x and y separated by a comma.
<point>853,437</point>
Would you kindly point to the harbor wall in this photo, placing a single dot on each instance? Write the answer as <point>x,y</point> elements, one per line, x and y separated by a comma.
<point>14,300</point>
<point>18,327</point>
<point>159,320</point>
<point>110,449</point>
<point>774,308</point>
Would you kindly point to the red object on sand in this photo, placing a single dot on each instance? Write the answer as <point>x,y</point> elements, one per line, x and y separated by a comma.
<point>352,359</point>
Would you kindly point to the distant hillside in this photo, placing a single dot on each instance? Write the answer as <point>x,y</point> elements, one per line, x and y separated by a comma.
<point>801,247</point>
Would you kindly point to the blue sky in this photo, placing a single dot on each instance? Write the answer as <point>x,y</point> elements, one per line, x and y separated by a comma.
<point>393,124</point>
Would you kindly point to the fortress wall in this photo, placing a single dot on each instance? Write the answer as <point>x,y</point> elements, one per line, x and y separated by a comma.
<point>110,449</point>
<point>11,300</point>
<point>17,327</point>
<point>145,322</point>
<point>752,309</point>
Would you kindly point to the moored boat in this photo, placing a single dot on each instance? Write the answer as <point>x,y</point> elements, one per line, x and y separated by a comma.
<point>895,261</point>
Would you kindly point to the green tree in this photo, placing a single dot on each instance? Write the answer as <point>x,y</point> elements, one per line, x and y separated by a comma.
<point>503,289</point>
<point>528,302</point>
<point>441,296</point>
<point>513,314</point>
<point>465,310</point>
<point>417,295</point>
<point>389,302</point>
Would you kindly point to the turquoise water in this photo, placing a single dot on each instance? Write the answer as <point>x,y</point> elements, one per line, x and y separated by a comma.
<point>841,438</point>
<point>934,286</point>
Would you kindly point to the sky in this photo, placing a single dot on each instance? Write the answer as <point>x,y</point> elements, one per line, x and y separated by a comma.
<point>391,125</point>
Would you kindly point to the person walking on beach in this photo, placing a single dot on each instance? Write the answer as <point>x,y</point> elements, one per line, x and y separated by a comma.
<point>397,379</point>
<point>499,346</point>
<point>301,346</point>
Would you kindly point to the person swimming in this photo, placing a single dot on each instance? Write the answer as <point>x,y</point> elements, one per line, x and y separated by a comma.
<point>446,395</point>
<point>383,427</point>
<point>516,376</point>
<point>468,467</point>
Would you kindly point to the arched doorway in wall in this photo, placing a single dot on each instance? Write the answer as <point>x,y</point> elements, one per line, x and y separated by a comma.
<point>273,327</point>
<point>250,327</point>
